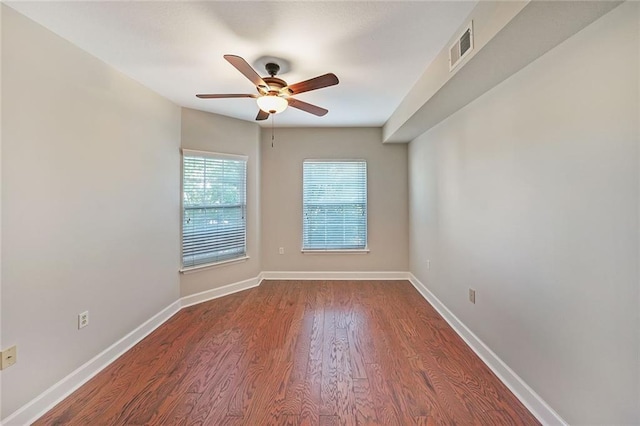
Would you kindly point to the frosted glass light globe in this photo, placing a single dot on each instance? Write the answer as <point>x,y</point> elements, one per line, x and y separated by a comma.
<point>272,104</point>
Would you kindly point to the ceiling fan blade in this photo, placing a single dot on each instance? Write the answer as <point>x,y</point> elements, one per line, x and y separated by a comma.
<point>262,115</point>
<point>315,110</point>
<point>218,96</point>
<point>314,83</point>
<point>246,69</point>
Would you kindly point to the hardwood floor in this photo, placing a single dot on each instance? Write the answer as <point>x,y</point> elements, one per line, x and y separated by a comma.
<point>299,353</point>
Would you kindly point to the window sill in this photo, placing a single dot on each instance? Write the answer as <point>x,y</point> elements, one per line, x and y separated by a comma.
<point>197,268</point>
<point>348,251</point>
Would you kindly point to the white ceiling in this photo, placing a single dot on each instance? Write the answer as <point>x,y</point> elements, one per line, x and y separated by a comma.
<point>377,49</point>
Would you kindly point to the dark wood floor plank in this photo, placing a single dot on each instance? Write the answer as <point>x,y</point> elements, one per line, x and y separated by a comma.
<point>293,352</point>
<point>329,386</point>
<point>295,391</point>
<point>329,421</point>
<point>266,406</point>
<point>358,347</point>
<point>364,404</point>
<point>425,421</point>
<point>342,303</point>
<point>387,411</point>
<point>220,382</point>
<point>177,412</point>
<point>254,361</point>
<point>345,398</point>
<point>231,421</point>
<point>464,375</point>
<point>413,390</point>
<point>441,400</point>
<point>299,353</point>
<point>270,407</point>
<point>311,391</point>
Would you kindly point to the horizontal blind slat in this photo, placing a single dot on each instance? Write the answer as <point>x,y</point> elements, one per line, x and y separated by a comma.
<point>214,208</point>
<point>334,204</point>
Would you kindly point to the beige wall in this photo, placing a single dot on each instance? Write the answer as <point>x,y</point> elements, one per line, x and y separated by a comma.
<point>489,17</point>
<point>282,198</point>
<point>215,133</point>
<point>1,345</point>
<point>530,195</point>
<point>90,206</point>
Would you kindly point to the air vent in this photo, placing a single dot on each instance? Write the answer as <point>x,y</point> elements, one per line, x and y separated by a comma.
<point>461,47</point>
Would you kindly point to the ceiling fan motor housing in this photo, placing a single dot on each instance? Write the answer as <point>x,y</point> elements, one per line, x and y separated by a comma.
<point>276,85</point>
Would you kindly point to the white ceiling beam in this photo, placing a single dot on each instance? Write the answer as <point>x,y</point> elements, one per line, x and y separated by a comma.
<point>508,37</point>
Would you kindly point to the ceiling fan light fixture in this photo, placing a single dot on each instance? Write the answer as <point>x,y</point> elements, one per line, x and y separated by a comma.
<point>272,104</point>
<point>274,94</point>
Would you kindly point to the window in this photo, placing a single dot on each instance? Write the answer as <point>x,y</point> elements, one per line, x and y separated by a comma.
<point>334,205</point>
<point>214,207</point>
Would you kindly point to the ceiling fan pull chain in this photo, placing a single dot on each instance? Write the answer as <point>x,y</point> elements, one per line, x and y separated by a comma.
<point>272,119</point>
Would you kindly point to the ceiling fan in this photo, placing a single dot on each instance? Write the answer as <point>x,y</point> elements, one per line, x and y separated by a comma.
<point>274,94</point>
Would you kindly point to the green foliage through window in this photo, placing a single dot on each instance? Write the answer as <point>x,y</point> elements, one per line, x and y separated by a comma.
<point>334,205</point>
<point>214,208</point>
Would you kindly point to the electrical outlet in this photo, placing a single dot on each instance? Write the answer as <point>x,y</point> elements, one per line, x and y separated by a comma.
<point>472,296</point>
<point>9,357</point>
<point>83,319</point>
<point>428,264</point>
<point>281,250</point>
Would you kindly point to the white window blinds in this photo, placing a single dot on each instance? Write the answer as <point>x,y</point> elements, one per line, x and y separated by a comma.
<point>334,205</point>
<point>214,219</point>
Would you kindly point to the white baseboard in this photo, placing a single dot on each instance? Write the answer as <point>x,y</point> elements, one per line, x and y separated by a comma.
<point>538,407</point>
<point>194,299</point>
<point>337,275</point>
<point>38,406</point>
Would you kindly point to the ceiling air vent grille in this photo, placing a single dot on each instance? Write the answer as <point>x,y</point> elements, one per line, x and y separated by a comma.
<point>461,47</point>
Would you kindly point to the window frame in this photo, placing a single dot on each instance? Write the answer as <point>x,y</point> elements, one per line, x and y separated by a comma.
<point>215,155</point>
<point>363,250</point>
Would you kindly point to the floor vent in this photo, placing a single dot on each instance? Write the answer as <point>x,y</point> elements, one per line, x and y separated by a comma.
<point>461,47</point>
